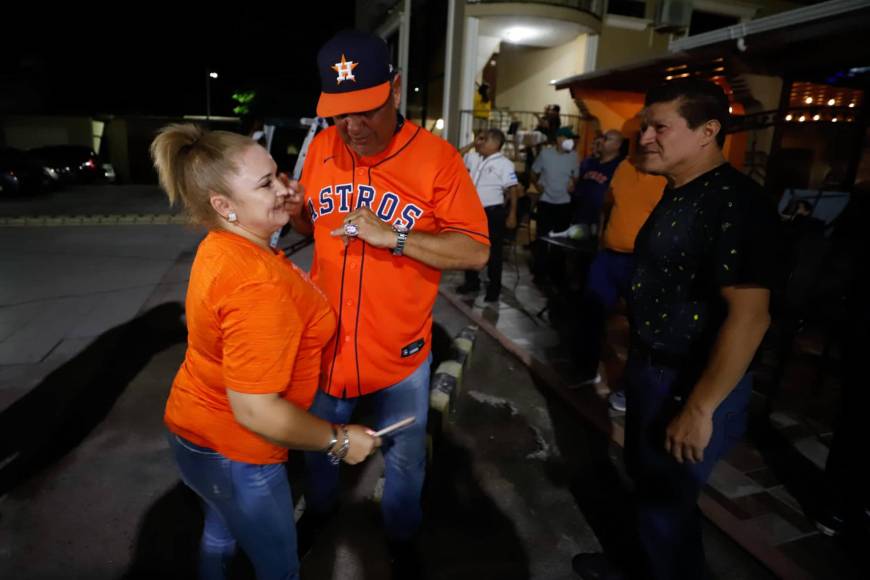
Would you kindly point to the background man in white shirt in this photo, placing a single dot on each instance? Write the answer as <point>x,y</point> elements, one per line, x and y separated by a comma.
<point>495,179</point>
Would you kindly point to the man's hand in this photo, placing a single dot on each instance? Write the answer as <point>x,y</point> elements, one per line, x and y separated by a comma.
<point>370,228</point>
<point>296,196</point>
<point>689,434</point>
<point>511,222</point>
<point>739,336</point>
<point>572,184</point>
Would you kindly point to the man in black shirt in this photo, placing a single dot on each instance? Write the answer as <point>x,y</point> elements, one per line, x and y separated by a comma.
<point>698,309</point>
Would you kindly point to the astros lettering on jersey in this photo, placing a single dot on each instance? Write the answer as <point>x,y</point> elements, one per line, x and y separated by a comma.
<point>383,302</point>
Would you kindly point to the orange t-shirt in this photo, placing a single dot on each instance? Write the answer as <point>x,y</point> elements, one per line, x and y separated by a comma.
<point>256,324</point>
<point>635,194</point>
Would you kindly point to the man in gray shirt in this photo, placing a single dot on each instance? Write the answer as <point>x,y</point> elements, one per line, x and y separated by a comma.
<point>553,174</point>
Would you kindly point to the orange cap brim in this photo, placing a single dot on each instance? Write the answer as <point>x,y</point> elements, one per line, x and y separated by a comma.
<point>332,104</point>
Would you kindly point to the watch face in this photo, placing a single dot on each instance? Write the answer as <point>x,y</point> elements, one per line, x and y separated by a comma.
<point>400,229</point>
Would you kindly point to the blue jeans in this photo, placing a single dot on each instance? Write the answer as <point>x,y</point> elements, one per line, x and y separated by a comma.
<point>404,452</point>
<point>245,503</point>
<point>608,280</point>
<point>669,521</point>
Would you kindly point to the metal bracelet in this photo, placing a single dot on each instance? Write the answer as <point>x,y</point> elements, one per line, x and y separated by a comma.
<point>334,440</point>
<point>336,455</point>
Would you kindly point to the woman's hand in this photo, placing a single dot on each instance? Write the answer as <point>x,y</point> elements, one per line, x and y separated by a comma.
<point>362,444</point>
<point>295,195</point>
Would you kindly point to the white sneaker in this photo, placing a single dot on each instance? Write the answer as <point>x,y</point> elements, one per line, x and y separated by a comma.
<point>482,302</point>
<point>587,383</point>
<point>616,399</point>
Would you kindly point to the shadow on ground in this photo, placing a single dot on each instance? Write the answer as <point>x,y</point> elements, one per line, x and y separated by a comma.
<point>55,416</point>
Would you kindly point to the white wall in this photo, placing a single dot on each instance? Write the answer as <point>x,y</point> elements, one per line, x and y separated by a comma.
<point>524,75</point>
<point>486,45</point>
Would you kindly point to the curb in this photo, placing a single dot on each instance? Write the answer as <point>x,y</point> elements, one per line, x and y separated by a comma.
<point>447,378</point>
<point>444,389</point>
<point>93,220</point>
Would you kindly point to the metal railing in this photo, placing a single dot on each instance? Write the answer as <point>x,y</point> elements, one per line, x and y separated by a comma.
<point>524,133</point>
<point>593,7</point>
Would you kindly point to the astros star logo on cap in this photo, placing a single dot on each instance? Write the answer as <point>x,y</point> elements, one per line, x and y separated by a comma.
<point>344,70</point>
<point>368,68</point>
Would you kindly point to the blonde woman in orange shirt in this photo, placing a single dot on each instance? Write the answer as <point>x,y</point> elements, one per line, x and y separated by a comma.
<point>256,329</point>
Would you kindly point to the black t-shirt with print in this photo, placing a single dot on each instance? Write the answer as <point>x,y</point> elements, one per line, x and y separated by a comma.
<point>720,229</point>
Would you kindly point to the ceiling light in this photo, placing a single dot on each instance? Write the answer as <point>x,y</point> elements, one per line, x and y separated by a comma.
<point>518,34</point>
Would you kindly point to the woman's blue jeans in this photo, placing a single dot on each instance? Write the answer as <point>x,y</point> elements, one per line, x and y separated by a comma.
<point>404,452</point>
<point>244,503</point>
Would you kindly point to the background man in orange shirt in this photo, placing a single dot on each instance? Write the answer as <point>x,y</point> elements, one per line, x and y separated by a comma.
<point>632,196</point>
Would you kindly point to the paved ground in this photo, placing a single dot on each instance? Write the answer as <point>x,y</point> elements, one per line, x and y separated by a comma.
<point>511,494</point>
<point>91,333</point>
<point>90,200</point>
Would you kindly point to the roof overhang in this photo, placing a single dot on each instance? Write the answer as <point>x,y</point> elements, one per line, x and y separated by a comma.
<point>807,43</point>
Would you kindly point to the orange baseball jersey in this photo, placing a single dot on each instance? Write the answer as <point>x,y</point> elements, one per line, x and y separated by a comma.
<point>256,324</point>
<point>384,302</point>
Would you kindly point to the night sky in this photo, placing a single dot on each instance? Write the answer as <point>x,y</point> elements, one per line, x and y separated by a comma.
<point>156,63</point>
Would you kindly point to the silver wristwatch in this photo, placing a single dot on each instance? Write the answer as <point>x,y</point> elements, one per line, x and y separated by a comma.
<point>401,238</point>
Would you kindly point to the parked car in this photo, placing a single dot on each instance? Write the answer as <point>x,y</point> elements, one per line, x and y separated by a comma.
<point>8,183</point>
<point>74,163</point>
<point>22,175</point>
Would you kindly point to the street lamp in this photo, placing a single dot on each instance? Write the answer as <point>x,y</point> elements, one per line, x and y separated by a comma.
<point>211,75</point>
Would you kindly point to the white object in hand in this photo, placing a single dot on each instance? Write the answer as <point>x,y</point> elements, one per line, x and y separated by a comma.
<point>394,427</point>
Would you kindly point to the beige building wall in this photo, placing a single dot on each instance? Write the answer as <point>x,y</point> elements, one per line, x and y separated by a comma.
<point>115,133</point>
<point>619,46</point>
<point>524,75</point>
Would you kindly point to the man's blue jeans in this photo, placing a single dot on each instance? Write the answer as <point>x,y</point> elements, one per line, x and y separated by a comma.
<point>669,521</point>
<point>245,503</point>
<point>404,452</point>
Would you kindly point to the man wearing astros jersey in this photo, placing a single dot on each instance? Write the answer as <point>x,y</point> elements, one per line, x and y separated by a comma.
<point>390,206</point>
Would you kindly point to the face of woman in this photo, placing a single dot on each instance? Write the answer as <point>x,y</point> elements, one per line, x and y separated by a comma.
<point>258,196</point>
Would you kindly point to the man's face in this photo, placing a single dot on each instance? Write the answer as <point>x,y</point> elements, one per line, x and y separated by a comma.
<point>369,132</point>
<point>596,146</point>
<point>479,140</point>
<point>489,146</point>
<point>610,143</point>
<point>666,142</point>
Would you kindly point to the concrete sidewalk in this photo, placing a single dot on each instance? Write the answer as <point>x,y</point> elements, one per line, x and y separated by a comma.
<point>65,286</point>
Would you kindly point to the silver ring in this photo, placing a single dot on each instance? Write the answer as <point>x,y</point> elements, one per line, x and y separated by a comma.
<point>351,230</point>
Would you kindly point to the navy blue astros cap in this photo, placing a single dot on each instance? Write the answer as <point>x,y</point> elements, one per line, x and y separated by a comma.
<point>355,73</point>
